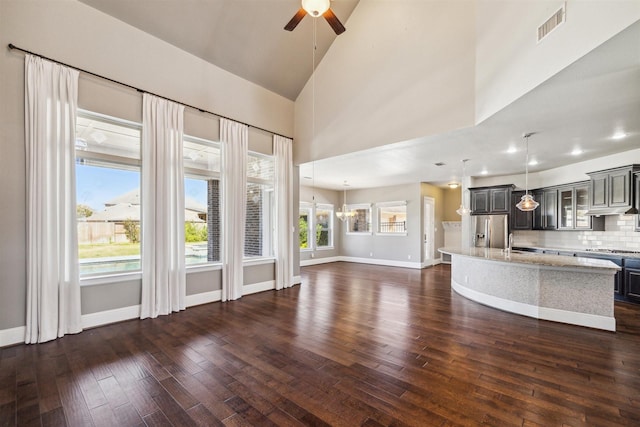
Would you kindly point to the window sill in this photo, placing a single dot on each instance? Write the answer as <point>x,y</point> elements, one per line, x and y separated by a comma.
<point>198,268</point>
<point>248,262</point>
<point>326,248</point>
<point>359,233</point>
<point>391,234</point>
<point>306,250</point>
<point>110,278</point>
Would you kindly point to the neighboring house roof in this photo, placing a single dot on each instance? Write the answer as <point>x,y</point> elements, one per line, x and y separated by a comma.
<point>127,207</point>
<point>133,198</point>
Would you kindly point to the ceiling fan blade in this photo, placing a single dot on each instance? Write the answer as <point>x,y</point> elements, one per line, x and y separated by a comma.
<point>295,20</point>
<point>333,20</point>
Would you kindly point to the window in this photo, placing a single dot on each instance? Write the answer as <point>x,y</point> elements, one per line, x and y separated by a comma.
<point>107,194</point>
<point>360,221</point>
<point>324,226</point>
<point>201,201</point>
<point>259,218</point>
<point>392,218</point>
<point>304,225</point>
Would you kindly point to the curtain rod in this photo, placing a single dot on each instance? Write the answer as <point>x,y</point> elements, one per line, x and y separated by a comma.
<point>14,47</point>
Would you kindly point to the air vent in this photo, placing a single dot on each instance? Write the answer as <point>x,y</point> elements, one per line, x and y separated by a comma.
<point>439,164</point>
<point>552,23</point>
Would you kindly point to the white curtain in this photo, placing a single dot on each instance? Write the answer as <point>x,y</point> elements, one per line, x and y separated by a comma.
<point>163,262</point>
<point>235,141</point>
<point>53,281</point>
<point>284,211</point>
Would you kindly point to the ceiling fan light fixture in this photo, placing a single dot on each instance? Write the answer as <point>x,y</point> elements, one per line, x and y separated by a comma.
<point>316,8</point>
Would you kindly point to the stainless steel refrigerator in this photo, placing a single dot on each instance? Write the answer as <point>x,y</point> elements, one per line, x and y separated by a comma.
<point>490,231</point>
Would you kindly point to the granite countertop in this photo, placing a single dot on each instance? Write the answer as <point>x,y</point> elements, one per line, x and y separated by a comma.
<point>532,258</point>
<point>584,251</point>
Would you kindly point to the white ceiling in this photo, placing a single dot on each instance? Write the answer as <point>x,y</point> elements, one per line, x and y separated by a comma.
<point>580,107</point>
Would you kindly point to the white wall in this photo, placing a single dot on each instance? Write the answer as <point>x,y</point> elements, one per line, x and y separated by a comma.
<point>510,62</point>
<point>403,69</point>
<point>79,35</point>
<point>374,247</point>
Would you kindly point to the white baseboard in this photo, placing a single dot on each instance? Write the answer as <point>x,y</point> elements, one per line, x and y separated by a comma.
<point>297,280</point>
<point>544,313</point>
<point>110,316</point>
<point>12,336</point>
<point>316,261</point>
<point>385,262</point>
<point>203,298</point>
<point>258,287</point>
<point>91,320</point>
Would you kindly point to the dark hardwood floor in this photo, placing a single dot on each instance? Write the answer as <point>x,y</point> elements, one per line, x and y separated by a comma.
<point>354,345</point>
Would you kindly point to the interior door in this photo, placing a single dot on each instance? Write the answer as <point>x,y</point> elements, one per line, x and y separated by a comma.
<point>428,227</point>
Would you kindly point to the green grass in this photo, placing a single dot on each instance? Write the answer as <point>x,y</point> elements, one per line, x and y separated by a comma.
<point>108,250</point>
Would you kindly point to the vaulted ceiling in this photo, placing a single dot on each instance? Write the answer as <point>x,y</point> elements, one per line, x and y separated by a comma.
<point>580,107</point>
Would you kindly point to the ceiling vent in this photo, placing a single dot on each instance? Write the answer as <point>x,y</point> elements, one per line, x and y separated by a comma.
<point>552,23</point>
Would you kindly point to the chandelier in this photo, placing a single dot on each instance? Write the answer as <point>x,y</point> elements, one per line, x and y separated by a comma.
<point>345,214</point>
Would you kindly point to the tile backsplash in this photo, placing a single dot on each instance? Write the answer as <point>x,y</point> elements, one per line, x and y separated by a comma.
<point>618,234</point>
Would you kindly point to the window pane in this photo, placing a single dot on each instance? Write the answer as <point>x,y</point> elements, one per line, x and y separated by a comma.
<point>202,201</point>
<point>107,195</point>
<point>393,219</point>
<point>260,167</point>
<point>324,226</point>
<point>360,222</point>
<point>258,226</point>
<point>303,225</point>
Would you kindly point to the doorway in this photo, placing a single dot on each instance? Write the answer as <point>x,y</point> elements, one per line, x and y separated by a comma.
<point>428,232</point>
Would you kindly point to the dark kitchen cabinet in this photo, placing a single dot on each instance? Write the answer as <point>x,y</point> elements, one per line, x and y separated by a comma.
<point>636,185</point>
<point>632,279</point>
<point>490,200</point>
<point>573,204</point>
<point>519,220</point>
<point>612,188</point>
<point>545,217</point>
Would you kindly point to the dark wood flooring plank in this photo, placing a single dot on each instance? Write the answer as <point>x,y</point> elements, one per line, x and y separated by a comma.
<point>353,345</point>
<point>72,398</point>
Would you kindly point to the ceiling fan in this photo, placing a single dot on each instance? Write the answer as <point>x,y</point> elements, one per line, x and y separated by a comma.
<point>316,8</point>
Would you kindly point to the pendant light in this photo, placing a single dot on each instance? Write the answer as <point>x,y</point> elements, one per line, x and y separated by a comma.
<point>344,214</point>
<point>527,203</point>
<point>463,210</point>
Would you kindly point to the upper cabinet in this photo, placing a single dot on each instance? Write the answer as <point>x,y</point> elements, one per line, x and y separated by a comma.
<point>545,217</point>
<point>573,204</point>
<point>520,220</point>
<point>611,191</point>
<point>491,200</point>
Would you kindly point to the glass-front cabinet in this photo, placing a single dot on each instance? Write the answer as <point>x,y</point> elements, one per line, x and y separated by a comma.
<point>573,204</point>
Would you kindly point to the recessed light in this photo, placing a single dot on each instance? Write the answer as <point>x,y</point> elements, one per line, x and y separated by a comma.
<point>453,185</point>
<point>511,150</point>
<point>484,172</point>
<point>619,135</point>
<point>533,162</point>
<point>576,152</point>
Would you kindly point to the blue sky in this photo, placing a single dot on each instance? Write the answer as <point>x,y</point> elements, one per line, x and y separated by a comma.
<point>96,185</point>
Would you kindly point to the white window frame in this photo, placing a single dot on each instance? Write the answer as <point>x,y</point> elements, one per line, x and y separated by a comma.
<point>382,205</point>
<point>360,206</point>
<point>328,207</point>
<point>309,208</point>
<point>126,163</point>
<point>268,214</point>
<point>203,174</point>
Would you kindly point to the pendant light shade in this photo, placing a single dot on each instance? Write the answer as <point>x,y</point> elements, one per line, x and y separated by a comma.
<point>463,210</point>
<point>527,202</point>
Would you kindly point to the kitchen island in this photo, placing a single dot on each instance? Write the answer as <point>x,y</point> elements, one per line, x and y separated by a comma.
<point>574,290</point>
